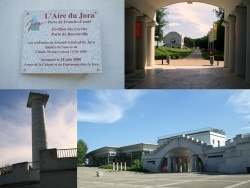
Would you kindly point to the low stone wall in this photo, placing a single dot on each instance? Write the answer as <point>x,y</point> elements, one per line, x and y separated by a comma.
<point>57,168</point>
<point>20,175</point>
<point>57,172</point>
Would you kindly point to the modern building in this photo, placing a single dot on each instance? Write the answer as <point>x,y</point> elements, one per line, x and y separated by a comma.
<point>174,40</point>
<point>193,151</point>
<point>200,150</point>
<point>128,154</point>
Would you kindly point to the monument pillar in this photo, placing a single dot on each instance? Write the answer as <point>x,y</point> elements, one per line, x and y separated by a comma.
<point>197,163</point>
<point>226,44</point>
<point>170,163</point>
<point>174,164</point>
<point>180,164</point>
<point>247,3</point>
<point>192,164</point>
<point>130,40</point>
<point>240,54</point>
<point>231,66</point>
<point>151,43</point>
<point>37,102</point>
<point>141,43</point>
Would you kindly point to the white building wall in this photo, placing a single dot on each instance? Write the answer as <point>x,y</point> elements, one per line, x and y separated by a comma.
<point>112,45</point>
<point>208,137</point>
<point>212,164</point>
<point>217,140</point>
<point>152,164</point>
<point>231,158</point>
<point>205,137</point>
<point>57,172</point>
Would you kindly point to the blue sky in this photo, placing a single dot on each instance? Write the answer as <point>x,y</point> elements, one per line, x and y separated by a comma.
<point>124,117</point>
<point>15,123</point>
<point>191,20</point>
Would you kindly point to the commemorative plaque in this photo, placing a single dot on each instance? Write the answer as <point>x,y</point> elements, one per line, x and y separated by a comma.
<point>61,42</point>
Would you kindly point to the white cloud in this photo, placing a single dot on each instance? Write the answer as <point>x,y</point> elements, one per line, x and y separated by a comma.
<point>240,101</point>
<point>15,134</point>
<point>61,126</point>
<point>173,24</point>
<point>195,18</point>
<point>245,128</point>
<point>15,153</point>
<point>109,107</point>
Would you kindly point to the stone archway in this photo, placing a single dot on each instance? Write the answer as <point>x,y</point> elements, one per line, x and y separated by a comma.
<point>237,47</point>
<point>181,160</point>
<point>148,7</point>
<point>178,154</point>
<point>184,150</point>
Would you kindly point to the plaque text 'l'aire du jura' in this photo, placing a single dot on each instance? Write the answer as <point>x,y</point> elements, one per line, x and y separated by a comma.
<point>61,42</point>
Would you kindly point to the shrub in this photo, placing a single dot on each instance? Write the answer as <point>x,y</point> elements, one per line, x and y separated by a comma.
<point>7,169</point>
<point>137,164</point>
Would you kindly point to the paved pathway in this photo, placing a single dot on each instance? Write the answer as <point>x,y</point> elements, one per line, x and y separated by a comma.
<point>86,178</point>
<point>195,55</point>
<point>192,72</point>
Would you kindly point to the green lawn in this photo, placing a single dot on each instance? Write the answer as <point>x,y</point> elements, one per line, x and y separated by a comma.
<point>175,53</point>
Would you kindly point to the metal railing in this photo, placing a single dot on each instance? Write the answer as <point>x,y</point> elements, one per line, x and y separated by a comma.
<point>246,135</point>
<point>185,133</point>
<point>64,153</point>
<point>38,92</point>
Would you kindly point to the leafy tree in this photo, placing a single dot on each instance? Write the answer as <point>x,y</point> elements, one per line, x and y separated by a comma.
<point>82,149</point>
<point>199,42</point>
<point>219,13</point>
<point>202,42</point>
<point>6,169</point>
<point>189,42</point>
<point>219,43</point>
<point>137,164</point>
<point>160,19</point>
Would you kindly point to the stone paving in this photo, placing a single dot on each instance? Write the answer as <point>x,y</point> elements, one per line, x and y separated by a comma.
<point>86,177</point>
<point>192,72</point>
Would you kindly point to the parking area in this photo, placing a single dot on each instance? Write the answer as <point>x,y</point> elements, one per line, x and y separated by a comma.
<point>86,177</point>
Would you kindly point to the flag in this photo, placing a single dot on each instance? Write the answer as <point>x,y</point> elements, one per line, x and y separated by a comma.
<point>215,31</point>
<point>211,37</point>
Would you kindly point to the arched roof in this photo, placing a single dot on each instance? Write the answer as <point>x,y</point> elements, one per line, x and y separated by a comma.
<point>174,32</point>
<point>146,6</point>
<point>225,4</point>
<point>183,142</point>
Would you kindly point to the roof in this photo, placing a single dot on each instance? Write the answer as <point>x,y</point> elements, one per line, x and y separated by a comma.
<point>197,131</point>
<point>107,149</point>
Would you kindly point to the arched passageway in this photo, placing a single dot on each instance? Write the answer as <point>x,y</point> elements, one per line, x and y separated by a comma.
<point>178,154</point>
<point>139,49</point>
<point>181,159</point>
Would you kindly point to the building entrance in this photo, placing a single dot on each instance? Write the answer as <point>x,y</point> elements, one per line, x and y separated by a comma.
<point>181,160</point>
<point>139,49</point>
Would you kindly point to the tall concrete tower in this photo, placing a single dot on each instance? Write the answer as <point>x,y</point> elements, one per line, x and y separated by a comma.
<point>37,102</point>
